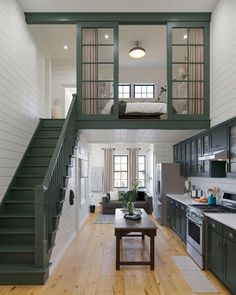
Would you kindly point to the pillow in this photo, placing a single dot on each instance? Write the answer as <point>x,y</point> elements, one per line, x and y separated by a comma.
<point>141,196</point>
<point>108,196</point>
<point>107,109</point>
<point>114,196</point>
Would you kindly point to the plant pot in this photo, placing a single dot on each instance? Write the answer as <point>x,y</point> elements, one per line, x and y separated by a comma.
<point>92,208</point>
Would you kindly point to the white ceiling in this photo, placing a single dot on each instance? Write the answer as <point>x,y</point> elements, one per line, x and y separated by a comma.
<point>117,6</point>
<point>135,135</point>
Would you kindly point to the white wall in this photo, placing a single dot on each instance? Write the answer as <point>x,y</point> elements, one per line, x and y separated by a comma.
<point>223,62</point>
<point>63,75</point>
<point>22,77</point>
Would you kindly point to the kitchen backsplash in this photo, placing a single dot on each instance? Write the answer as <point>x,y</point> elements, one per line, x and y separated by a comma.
<point>225,184</point>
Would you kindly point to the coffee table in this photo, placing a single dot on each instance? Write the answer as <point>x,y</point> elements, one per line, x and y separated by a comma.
<point>125,227</point>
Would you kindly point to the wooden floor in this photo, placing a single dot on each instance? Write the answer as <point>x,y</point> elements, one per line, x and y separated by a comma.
<point>89,267</point>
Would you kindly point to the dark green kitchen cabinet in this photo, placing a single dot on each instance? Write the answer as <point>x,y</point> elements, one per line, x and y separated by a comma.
<point>218,138</point>
<point>176,217</point>
<point>221,253</point>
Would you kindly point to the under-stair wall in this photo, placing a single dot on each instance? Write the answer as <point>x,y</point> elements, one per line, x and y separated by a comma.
<point>32,205</point>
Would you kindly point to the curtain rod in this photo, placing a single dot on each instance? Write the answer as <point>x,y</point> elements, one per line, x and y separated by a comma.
<point>105,148</point>
<point>132,148</point>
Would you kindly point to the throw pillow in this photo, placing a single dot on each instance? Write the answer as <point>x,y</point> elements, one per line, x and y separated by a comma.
<point>114,195</point>
<point>141,196</point>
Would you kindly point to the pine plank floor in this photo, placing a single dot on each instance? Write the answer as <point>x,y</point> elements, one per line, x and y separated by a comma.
<point>88,267</point>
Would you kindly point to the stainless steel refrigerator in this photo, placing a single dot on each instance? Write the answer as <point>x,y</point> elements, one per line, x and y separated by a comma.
<point>167,181</point>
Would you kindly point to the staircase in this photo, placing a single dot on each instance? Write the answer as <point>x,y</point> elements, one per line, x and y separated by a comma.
<point>32,205</point>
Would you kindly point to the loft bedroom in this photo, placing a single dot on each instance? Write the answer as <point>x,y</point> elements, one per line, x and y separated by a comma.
<point>166,88</point>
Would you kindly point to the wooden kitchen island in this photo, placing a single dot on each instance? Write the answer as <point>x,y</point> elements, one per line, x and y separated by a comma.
<point>133,228</point>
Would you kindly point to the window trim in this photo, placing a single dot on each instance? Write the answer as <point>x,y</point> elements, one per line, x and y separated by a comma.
<point>153,85</point>
<point>122,85</point>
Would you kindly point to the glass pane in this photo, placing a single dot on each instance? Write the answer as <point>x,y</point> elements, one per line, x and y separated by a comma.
<point>179,36</point>
<point>196,72</point>
<point>195,106</point>
<point>105,106</point>
<point>123,183</point>
<point>196,89</point>
<point>124,159</point>
<point>117,159</point>
<point>141,167</point>
<point>105,72</point>
<point>89,54</point>
<point>179,106</point>
<point>117,183</point>
<point>105,53</point>
<point>117,175</point>
<point>196,53</point>
<point>105,36</point>
<point>141,159</point>
<point>89,106</point>
<point>179,54</point>
<point>90,72</point>
<point>123,167</point>
<point>138,95</point>
<point>179,89</point>
<point>196,36</point>
<point>150,89</point>
<point>142,183</point>
<point>89,36</point>
<point>140,175</point>
<point>180,72</point>
<point>97,89</point>
<point>105,89</point>
<point>137,88</point>
<point>117,167</point>
<point>124,175</point>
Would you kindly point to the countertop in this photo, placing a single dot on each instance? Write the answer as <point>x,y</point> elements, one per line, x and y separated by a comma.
<point>228,219</point>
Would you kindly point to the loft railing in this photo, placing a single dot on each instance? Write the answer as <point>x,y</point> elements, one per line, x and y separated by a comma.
<point>49,194</point>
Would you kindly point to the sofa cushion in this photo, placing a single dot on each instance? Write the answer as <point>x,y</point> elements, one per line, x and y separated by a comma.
<point>114,195</point>
<point>140,204</point>
<point>114,204</point>
<point>141,196</point>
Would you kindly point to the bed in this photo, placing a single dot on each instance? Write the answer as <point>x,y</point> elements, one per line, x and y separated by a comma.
<point>137,109</point>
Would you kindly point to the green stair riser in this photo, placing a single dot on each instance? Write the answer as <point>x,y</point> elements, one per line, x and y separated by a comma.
<point>17,222</point>
<point>16,239</point>
<point>18,208</point>
<point>27,181</point>
<point>40,160</point>
<point>45,141</point>
<point>16,258</point>
<point>71,160</point>
<point>23,278</point>
<point>62,194</point>
<point>42,150</point>
<point>33,170</point>
<point>68,171</point>
<point>21,194</point>
<point>65,182</point>
<point>52,123</point>
<point>48,133</point>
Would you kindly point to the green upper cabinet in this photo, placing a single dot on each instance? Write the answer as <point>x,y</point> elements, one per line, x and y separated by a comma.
<point>231,171</point>
<point>97,71</point>
<point>188,70</point>
<point>218,138</point>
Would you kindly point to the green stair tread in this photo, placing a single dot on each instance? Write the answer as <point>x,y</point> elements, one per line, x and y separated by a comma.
<point>16,248</point>
<point>16,215</point>
<point>38,155</point>
<point>34,165</point>
<point>22,187</point>
<point>42,146</point>
<point>16,201</point>
<point>21,268</point>
<point>45,137</point>
<point>17,231</point>
<point>30,175</point>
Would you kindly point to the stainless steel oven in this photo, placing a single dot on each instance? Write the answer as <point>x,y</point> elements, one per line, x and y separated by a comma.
<point>195,242</point>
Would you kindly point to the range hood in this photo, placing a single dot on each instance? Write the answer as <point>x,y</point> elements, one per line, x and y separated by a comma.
<point>221,155</point>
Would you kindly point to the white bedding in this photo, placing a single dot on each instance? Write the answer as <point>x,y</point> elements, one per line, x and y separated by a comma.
<point>139,107</point>
<point>146,107</point>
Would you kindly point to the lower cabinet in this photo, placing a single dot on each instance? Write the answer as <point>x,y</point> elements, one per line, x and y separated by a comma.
<point>176,217</point>
<point>221,253</point>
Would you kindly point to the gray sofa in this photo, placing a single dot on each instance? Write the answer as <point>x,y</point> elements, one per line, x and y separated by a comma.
<point>144,200</point>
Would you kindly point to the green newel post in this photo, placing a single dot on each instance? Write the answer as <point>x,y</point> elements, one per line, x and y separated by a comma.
<point>40,242</point>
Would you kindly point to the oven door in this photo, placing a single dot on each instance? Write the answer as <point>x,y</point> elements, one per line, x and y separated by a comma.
<point>195,233</point>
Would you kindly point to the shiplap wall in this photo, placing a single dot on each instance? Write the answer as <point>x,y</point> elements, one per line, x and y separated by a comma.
<point>21,89</point>
<point>63,74</point>
<point>223,62</point>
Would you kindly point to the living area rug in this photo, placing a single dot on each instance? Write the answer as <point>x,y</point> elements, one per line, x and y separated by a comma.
<point>105,218</point>
<point>193,276</point>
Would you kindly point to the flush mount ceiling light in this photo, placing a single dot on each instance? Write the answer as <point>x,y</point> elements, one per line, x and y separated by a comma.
<point>137,51</point>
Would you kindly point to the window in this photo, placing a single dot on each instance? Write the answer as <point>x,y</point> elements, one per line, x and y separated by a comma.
<point>142,171</point>
<point>124,90</point>
<point>144,90</point>
<point>120,171</point>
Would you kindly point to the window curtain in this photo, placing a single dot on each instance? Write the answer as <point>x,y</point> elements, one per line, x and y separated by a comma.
<point>196,71</point>
<point>133,166</point>
<point>89,70</point>
<point>108,170</point>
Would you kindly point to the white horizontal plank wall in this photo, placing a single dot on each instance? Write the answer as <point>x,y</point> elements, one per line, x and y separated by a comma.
<point>21,89</point>
<point>163,152</point>
<point>223,62</point>
<point>63,75</point>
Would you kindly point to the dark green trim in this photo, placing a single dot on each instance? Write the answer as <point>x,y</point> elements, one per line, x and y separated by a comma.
<point>143,124</point>
<point>121,17</point>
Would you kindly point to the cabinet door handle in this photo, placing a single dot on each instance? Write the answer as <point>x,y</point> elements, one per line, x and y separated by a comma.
<point>231,236</point>
<point>213,225</point>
